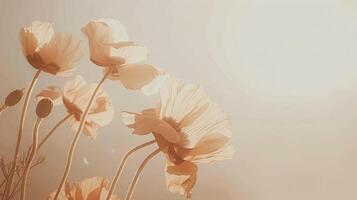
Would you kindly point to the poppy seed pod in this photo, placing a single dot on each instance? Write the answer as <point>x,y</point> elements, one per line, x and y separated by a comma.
<point>14,97</point>
<point>44,108</point>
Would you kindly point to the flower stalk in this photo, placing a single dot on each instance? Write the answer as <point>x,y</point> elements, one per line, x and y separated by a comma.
<point>77,135</point>
<point>122,165</point>
<point>30,159</point>
<point>19,136</point>
<point>130,192</point>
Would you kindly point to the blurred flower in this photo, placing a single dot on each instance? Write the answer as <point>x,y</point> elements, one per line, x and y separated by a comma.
<point>52,92</point>
<point>94,188</point>
<point>75,97</point>
<point>189,128</point>
<point>110,47</point>
<point>54,53</point>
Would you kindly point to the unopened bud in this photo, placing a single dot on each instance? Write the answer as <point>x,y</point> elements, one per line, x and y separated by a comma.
<point>44,108</point>
<point>14,97</point>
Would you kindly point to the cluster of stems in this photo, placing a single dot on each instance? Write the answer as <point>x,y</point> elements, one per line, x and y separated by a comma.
<point>10,189</point>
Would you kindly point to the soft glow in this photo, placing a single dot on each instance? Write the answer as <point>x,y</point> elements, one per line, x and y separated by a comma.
<point>285,50</point>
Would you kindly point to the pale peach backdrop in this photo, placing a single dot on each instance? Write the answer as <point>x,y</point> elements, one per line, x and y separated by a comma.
<point>284,70</point>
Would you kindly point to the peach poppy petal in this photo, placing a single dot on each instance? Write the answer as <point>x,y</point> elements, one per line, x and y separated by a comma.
<point>52,92</point>
<point>105,30</point>
<point>147,123</point>
<point>155,85</point>
<point>130,54</point>
<point>102,112</point>
<point>136,76</point>
<point>91,187</point>
<point>212,121</point>
<point>118,31</point>
<point>28,42</point>
<point>42,31</point>
<point>212,148</point>
<point>60,54</point>
<point>90,129</point>
<point>72,87</point>
<point>181,178</point>
<point>95,188</point>
<point>141,124</point>
<point>103,35</point>
<point>179,99</point>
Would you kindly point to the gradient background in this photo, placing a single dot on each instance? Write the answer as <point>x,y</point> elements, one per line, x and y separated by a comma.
<point>284,70</point>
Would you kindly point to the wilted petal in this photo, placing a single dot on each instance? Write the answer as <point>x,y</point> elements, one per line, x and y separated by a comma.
<point>52,92</point>
<point>136,76</point>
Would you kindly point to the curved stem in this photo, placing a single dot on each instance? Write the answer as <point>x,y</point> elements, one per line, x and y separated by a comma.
<point>77,134</point>
<point>19,136</point>
<point>49,134</point>
<point>130,192</point>
<point>122,165</point>
<point>32,156</point>
<point>3,108</point>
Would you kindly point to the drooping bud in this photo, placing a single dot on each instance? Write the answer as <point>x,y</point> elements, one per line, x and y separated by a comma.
<point>44,108</point>
<point>14,97</point>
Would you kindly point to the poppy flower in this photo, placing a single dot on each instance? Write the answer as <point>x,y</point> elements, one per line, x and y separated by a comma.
<point>52,92</point>
<point>75,96</point>
<point>95,188</point>
<point>189,129</point>
<point>51,52</point>
<point>111,48</point>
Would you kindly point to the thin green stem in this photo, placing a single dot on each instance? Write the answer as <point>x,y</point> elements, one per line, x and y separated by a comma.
<point>122,165</point>
<point>77,134</point>
<point>32,156</point>
<point>130,192</point>
<point>19,137</point>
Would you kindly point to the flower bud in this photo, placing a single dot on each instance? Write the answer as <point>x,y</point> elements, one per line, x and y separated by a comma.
<point>44,108</point>
<point>14,97</point>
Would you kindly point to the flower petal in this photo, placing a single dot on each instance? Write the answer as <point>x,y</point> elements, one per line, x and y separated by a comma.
<point>105,30</point>
<point>136,76</point>
<point>145,123</point>
<point>52,92</point>
<point>212,148</point>
<point>181,178</point>
<point>130,54</point>
<point>35,36</point>
<point>60,54</point>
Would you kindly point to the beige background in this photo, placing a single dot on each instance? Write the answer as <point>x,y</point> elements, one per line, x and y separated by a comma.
<point>284,70</point>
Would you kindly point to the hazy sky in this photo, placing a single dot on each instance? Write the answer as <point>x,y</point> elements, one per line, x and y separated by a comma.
<point>284,70</point>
